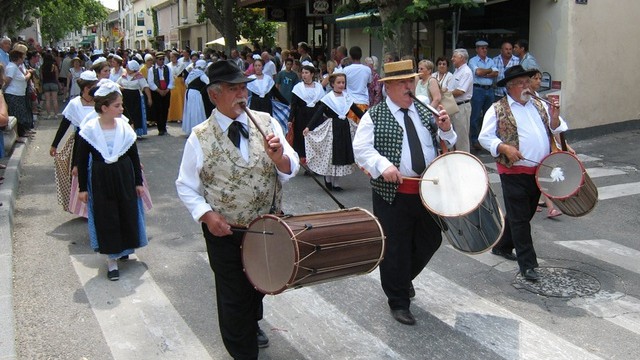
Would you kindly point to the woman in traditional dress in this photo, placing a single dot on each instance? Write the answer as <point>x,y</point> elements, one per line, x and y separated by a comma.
<point>133,84</point>
<point>196,97</point>
<point>65,161</point>
<point>305,100</point>
<point>101,67</point>
<point>176,104</point>
<point>111,180</point>
<point>117,70</point>
<point>328,142</point>
<point>263,90</point>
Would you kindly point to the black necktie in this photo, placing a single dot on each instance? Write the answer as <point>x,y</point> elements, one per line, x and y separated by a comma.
<point>417,157</point>
<point>235,129</point>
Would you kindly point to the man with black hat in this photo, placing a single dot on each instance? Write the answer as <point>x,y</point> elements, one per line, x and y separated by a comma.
<point>230,175</point>
<point>397,139</point>
<point>518,131</point>
<point>160,79</point>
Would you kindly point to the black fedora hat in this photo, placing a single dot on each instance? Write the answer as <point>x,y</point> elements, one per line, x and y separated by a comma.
<point>226,71</point>
<point>515,72</point>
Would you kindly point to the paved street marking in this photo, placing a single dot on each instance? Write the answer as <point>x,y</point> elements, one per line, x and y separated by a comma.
<point>607,251</point>
<point>299,310</point>
<point>615,191</point>
<point>617,308</point>
<point>491,325</point>
<point>497,262</point>
<point>136,318</point>
<point>587,158</point>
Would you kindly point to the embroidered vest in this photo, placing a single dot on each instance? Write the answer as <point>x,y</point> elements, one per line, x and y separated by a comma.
<point>165,74</point>
<point>388,142</point>
<point>239,190</point>
<point>507,128</point>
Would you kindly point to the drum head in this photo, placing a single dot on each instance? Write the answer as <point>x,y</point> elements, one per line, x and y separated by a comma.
<point>269,260</point>
<point>462,184</point>
<point>560,163</point>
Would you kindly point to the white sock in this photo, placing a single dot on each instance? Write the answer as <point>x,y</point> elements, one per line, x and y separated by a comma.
<point>112,264</point>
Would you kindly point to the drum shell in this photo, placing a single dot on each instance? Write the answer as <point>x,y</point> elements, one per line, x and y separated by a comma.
<point>580,196</point>
<point>465,207</point>
<point>311,248</point>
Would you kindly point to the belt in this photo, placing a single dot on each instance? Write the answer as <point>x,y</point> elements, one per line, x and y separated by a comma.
<point>463,102</point>
<point>486,87</point>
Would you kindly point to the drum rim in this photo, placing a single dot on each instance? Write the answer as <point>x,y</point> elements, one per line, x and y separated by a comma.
<point>458,152</point>
<point>296,256</point>
<point>583,174</point>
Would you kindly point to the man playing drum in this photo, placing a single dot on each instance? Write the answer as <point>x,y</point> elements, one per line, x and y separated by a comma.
<point>227,178</point>
<point>517,130</point>
<point>397,139</point>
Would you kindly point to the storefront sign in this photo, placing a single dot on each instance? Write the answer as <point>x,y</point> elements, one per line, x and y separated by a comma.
<point>319,7</point>
<point>276,14</point>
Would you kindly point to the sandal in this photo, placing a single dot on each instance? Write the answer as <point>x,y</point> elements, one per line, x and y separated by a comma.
<point>542,204</point>
<point>553,213</point>
<point>539,208</point>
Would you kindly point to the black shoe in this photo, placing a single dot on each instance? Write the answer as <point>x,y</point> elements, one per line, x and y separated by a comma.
<point>504,254</point>
<point>412,291</point>
<point>263,340</point>
<point>337,188</point>
<point>113,275</point>
<point>403,316</point>
<point>126,257</point>
<point>162,133</point>
<point>530,274</point>
<point>328,185</point>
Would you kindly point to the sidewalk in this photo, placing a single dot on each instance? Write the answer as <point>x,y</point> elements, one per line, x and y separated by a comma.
<point>8,193</point>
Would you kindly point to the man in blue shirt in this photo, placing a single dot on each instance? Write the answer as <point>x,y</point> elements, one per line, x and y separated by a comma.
<point>484,71</point>
<point>5,46</point>
<point>286,79</point>
<point>503,61</point>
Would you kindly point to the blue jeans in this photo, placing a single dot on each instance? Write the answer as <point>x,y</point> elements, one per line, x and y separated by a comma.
<point>480,102</point>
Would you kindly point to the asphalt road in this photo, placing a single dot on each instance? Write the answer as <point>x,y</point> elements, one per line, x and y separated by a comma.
<point>467,306</point>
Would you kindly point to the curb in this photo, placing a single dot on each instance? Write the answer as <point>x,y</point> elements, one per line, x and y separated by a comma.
<point>8,193</point>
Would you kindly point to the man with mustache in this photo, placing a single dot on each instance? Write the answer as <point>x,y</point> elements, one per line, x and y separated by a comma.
<point>518,131</point>
<point>230,175</point>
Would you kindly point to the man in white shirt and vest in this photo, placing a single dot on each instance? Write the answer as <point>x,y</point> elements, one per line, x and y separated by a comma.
<point>229,176</point>
<point>397,139</point>
<point>160,79</point>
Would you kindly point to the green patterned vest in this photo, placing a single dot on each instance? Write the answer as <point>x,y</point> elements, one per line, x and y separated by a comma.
<point>239,190</point>
<point>507,127</point>
<point>388,142</point>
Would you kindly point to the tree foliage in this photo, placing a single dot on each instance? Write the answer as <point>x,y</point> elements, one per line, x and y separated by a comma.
<point>57,17</point>
<point>398,17</point>
<point>233,22</point>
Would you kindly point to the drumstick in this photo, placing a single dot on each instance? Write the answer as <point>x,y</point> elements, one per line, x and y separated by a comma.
<point>556,172</point>
<point>434,180</point>
<point>252,231</point>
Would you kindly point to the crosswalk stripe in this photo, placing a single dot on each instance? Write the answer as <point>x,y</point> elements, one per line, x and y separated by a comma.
<point>491,325</point>
<point>607,251</point>
<point>299,310</point>
<point>617,308</point>
<point>137,319</point>
<point>497,262</point>
<point>615,191</point>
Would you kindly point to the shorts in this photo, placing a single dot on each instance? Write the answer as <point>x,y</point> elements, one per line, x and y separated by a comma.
<point>50,87</point>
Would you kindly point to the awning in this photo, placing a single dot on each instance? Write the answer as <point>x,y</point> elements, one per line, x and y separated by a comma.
<point>220,41</point>
<point>359,20</point>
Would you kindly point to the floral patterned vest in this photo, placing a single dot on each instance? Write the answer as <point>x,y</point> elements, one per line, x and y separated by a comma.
<point>239,190</point>
<point>388,142</point>
<point>507,127</point>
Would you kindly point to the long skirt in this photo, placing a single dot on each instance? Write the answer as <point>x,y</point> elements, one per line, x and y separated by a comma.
<point>194,112</point>
<point>133,104</point>
<point>17,106</point>
<point>176,104</point>
<point>116,215</point>
<point>319,148</point>
<point>62,163</point>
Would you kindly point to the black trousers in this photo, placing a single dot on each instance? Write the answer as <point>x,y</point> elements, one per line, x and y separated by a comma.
<point>160,110</point>
<point>412,237</point>
<point>239,304</point>
<point>521,195</point>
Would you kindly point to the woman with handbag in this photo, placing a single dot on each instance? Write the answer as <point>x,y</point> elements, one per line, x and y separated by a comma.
<point>426,84</point>
<point>443,75</point>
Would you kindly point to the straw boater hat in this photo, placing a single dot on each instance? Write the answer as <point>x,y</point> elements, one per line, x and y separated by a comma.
<point>398,70</point>
<point>515,72</point>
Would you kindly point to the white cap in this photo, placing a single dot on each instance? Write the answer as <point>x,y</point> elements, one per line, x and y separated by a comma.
<point>106,87</point>
<point>99,60</point>
<point>201,64</point>
<point>89,75</point>
<point>148,57</point>
<point>97,52</point>
<point>256,57</point>
<point>307,63</point>
<point>133,65</point>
